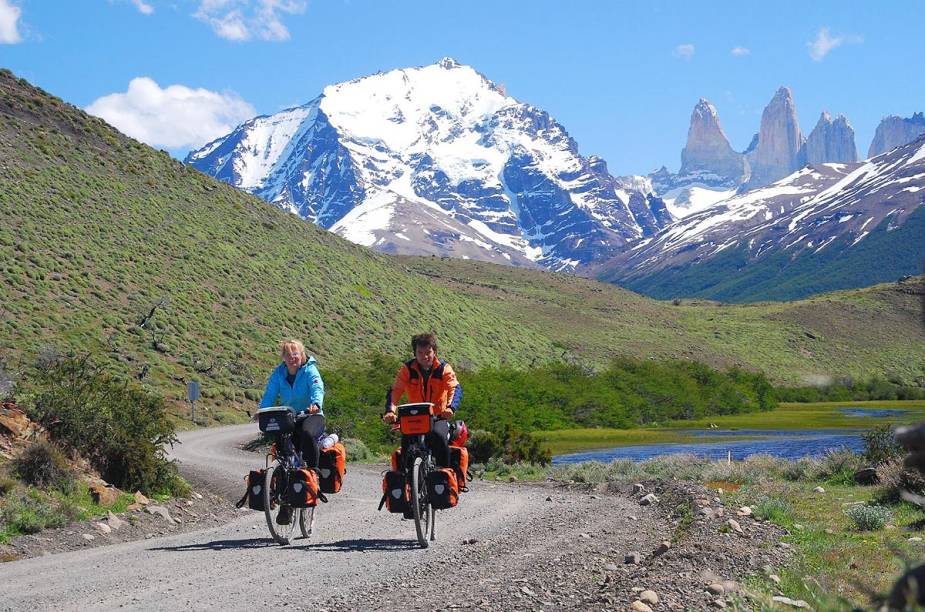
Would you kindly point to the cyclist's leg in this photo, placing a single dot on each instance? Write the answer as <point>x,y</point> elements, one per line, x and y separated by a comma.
<point>438,442</point>
<point>312,427</point>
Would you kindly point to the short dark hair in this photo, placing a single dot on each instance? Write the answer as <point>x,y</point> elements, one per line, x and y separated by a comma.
<point>425,340</point>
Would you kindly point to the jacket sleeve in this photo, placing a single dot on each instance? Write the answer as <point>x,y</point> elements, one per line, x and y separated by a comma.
<point>454,391</point>
<point>317,386</point>
<point>398,387</point>
<point>271,392</point>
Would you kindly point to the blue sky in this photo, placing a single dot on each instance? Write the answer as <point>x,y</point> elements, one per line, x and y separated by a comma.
<point>621,77</point>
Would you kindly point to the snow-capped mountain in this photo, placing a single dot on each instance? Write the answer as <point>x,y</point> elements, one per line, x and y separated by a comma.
<point>864,219</point>
<point>436,159</point>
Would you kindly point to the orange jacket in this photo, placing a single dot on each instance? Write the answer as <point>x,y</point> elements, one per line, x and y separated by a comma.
<point>438,388</point>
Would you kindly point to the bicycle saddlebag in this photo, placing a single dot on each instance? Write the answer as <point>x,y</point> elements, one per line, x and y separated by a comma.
<point>302,489</point>
<point>253,497</point>
<point>442,488</point>
<point>332,465</point>
<point>395,494</point>
<point>276,420</point>
<point>459,461</point>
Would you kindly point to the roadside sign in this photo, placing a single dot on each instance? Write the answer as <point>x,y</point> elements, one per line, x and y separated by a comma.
<point>192,390</point>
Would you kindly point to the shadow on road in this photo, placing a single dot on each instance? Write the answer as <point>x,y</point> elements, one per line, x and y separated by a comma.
<point>221,545</point>
<point>362,545</point>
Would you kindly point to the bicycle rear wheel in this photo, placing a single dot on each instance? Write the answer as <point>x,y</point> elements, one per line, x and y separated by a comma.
<point>272,506</point>
<point>423,513</point>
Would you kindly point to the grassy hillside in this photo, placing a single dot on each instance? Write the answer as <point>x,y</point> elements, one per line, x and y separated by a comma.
<point>861,332</point>
<point>109,246</point>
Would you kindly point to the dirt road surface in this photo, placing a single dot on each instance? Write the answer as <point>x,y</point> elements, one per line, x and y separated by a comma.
<point>505,546</point>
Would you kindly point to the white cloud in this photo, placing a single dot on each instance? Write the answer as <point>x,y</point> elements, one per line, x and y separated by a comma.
<point>9,15</point>
<point>685,51</point>
<point>741,51</point>
<point>143,7</point>
<point>175,117</point>
<point>825,43</point>
<point>240,20</point>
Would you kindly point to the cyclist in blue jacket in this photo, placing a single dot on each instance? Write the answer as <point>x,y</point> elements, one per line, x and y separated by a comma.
<point>297,383</point>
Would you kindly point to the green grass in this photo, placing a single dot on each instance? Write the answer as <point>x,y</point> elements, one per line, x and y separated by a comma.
<point>108,246</point>
<point>822,415</point>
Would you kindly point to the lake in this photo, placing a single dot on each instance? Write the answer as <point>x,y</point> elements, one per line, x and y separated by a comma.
<point>778,443</point>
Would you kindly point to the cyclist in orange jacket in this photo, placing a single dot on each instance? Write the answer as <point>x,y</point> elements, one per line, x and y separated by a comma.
<point>428,379</point>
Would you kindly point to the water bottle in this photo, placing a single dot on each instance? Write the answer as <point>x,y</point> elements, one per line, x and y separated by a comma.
<point>329,440</point>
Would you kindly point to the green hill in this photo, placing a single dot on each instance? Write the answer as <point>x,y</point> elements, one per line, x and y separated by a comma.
<point>107,245</point>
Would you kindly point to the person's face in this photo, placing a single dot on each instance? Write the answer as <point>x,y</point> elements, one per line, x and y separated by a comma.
<point>292,357</point>
<point>425,355</point>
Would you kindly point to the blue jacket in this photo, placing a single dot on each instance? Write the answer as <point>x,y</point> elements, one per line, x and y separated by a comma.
<point>307,389</point>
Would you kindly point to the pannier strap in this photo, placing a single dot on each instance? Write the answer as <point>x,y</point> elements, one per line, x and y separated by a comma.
<point>382,501</point>
<point>247,489</point>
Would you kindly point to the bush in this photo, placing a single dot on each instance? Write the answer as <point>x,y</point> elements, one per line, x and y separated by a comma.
<point>894,478</point>
<point>869,518</point>
<point>772,509</point>
<point>121,429</point>
<point>880,445</point>
<point>839,466</point>
<point>358,451</point>
<point>31,511</point>
<point>483,445</point>
<point>44,465</point>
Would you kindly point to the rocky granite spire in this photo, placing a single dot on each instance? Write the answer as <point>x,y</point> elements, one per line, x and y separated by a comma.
<point>708,150</point>
<point>831,141</point>
<point>896,131</point>
<point>779,141</point>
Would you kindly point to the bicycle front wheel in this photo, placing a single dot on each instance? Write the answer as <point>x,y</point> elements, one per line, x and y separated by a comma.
<point>274,509</point>
<point>419,501</point>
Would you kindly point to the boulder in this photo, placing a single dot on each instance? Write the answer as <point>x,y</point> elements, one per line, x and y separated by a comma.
<point>648,597</point>
<point>141,499</point>
<point>162,512</point>
<point>866,476</point>
<point>648,499</point>
<point>638,606</point>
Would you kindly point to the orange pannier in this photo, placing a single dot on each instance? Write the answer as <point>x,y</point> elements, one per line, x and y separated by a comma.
<point>332,464</point>
<point>459,461</point>
<point>415,419</point>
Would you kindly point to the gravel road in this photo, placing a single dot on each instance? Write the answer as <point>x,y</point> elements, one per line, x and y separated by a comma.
<point>505,546</point>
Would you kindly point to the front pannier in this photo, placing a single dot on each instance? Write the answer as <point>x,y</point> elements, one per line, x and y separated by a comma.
<point>276,420</point>
<point>255,482</point>
<point>395,494</point>
<point>332,465</point>
<point>302,488</point>
<point>442,488</point>
<point>459,461</point>
<point>415,419</point>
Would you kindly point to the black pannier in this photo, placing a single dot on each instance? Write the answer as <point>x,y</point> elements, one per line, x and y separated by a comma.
<point>442,488</point>
<point>255,483</point>
<point>276,420</point>
<point>302,488</point>
<point>395,493</point>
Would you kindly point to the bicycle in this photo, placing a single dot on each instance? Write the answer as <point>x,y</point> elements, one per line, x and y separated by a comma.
<point>415,421</point>
<point>281,462</point>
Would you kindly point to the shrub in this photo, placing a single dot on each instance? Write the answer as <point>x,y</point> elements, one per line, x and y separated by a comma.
<point>869,518</point>
<point>772,509</point>
<point>895,478</point>
<point>358,451</point>
<point>44,465</point>
<point>121,429</point>
<point>6,485</point>
<point>880,445</point>
<point>838,466</point>
<point>483,445</point>
<point>31,511</point>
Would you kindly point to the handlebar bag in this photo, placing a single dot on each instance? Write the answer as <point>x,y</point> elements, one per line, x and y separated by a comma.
<point>276,421</point>
<point>332,465</point>
<point>442,488</point>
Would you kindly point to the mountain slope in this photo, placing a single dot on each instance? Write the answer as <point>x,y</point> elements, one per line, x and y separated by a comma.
<point>493,172</point>
<point>825,227</point>
<point>109,246</point>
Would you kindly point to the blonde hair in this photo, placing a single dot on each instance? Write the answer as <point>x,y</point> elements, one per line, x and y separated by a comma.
<point>297,344</point>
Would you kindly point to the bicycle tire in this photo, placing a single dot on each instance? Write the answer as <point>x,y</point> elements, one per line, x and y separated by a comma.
<point>419,499</point>
<point>306,521</point>
<point>280,533</point>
